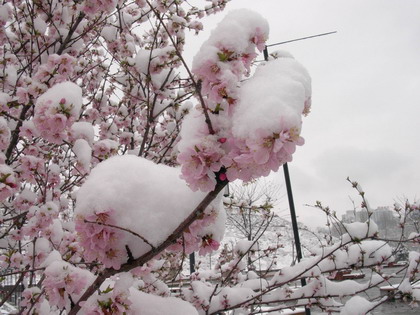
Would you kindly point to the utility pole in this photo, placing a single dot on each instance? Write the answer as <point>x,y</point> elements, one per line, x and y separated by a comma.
<point>291,206</point>
<point>287,175</point>
<point>192,263</point>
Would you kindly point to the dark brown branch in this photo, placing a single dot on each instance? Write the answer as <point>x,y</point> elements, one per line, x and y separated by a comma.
<point>15,134</point>
<point>70,34</point>
<point>9,294</point>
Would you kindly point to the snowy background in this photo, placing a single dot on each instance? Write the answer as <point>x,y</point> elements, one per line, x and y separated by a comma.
<point>365,111</point>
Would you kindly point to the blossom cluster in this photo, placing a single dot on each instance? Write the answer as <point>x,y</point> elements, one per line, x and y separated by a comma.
<point>199,236</point>
<point>65,283</point>
<point>57,69</point>
<point>238,131</point>
<point>226,57</point>
<point>92,7</point>
<point>39,219</point>
<point>56,110</point>
<point>99,240</point>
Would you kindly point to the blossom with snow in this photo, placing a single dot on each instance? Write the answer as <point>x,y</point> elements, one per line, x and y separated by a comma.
<point>65,283</point>
<point>255,124</point>
<point>129,205</point>
<point>56,110</point>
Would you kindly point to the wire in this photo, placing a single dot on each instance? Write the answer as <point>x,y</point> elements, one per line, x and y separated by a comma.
<point>302,38</point>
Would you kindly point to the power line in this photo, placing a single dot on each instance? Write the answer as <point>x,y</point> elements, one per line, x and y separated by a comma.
<point>302,38</point>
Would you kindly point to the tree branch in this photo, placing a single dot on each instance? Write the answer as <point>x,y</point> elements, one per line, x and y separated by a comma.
<point>154,251</point>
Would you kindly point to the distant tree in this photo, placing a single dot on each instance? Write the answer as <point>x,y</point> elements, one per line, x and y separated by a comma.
<point>250,206</point>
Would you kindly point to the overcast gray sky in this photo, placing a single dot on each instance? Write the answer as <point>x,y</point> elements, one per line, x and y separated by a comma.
<point>365,120</point>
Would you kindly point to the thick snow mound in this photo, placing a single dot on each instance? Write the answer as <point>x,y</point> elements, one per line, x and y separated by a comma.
<point>129,204</point>
<point>273,99</point>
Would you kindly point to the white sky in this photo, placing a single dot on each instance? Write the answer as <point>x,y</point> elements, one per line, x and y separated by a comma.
<point>365,120</point>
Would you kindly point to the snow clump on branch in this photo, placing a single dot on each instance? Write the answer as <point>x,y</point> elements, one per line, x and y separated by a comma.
<point>243,129</point>
<point>129,205</point>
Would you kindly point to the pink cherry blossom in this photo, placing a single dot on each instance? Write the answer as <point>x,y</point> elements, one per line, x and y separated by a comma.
<point>63,281</point>
<point>8,182</point>
<point>208,245</point>
<point>99,240</point>
<point>199,164</point>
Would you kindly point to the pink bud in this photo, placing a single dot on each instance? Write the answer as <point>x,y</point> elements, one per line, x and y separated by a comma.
<point>222,140</point>
<point>222,176</point>
<point>63,101</point>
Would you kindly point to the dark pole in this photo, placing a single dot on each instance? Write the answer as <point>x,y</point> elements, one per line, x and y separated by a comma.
<point>192,263</point>
<point>292,210</point>
<point>294,224</point>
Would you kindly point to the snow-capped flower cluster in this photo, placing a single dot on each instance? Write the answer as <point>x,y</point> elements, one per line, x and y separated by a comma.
<point>226,57</point>
<point>267,121</point>
<point>129,205</point>
<point>56,110</point>
<point>25,200</point>
<point>103,149</point>
<point>243,130</point>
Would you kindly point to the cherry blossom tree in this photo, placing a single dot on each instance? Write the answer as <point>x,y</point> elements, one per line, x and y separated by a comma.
<point>114,151</point>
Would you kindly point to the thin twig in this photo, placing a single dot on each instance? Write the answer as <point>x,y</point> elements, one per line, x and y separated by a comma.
<point>123,229</point>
